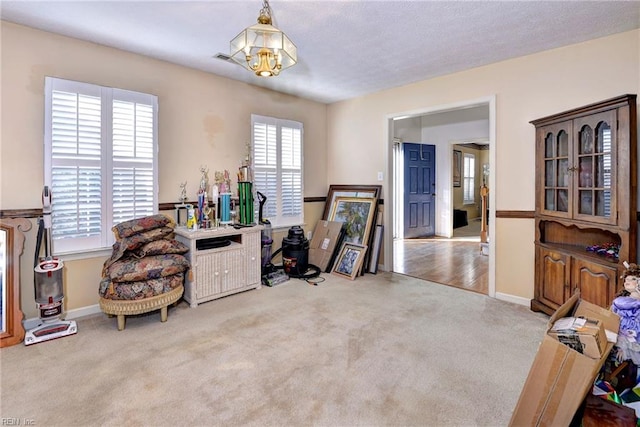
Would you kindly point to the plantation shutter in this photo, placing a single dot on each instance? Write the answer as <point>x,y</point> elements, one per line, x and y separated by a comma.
<point>266,166</point>
<point>75,156</point>
<point>133,158</point>
<point>277,168</point>
<point>100,161</point>
<point>291,173</point>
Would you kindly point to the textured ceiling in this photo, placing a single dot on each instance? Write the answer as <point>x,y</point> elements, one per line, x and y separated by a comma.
<point>345,48</point>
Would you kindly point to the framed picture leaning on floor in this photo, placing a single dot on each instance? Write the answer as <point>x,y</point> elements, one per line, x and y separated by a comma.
<point>357,216</point>
<point>349,260</point>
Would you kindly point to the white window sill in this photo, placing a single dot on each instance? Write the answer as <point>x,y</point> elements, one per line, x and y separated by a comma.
<point>96,253</point>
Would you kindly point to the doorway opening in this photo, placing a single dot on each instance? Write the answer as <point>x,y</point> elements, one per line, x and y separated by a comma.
<point>460,250</point>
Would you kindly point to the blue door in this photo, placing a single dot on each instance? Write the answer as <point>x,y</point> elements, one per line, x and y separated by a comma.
<point>419,190</point>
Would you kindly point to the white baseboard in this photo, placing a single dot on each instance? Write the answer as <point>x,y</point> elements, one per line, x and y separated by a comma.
<point>512,298</point>
<point>83,311</point>
<point>68,315</point>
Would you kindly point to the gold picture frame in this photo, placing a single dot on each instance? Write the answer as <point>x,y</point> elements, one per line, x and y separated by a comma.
<point>357,214</point>
<point>366,191</point>
<point>457,168</point>
<point>349,260</point>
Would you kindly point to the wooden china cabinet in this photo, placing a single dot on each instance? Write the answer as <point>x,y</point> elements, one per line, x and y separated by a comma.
<point>586,185</point>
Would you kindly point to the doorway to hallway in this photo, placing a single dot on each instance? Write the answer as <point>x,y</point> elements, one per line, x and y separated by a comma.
<point>452,256</point>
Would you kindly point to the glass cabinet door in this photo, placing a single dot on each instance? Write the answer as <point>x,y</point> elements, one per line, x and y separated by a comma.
<point>595,157</point>
<point>556,160</point>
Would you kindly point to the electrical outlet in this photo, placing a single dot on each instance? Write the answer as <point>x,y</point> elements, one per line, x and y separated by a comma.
<point>380,176</point>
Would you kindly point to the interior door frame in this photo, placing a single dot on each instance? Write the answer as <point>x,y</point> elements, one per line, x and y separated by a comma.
<point>393,191</point>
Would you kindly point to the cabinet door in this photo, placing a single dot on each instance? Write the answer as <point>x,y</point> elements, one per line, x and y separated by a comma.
<point>252,244</point>
<point>597,283</point>
<point>554,159</point>
<point>594,154</point>
<point>208,276</point>
<point>553,271</point>
<point>233,271</point>
<point>220,272</point>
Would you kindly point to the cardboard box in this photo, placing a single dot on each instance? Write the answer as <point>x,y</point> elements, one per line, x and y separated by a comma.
<point>561,377</point>
<point>323,243</point>
<point>584,335</point>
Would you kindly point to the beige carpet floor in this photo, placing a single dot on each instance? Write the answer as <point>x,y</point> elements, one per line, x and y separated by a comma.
<point>384,350</point>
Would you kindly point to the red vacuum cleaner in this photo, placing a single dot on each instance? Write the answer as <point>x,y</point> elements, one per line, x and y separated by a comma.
<point>48,285</point>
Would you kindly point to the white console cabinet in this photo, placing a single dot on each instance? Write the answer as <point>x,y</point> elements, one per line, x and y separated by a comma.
<point>224,261</point>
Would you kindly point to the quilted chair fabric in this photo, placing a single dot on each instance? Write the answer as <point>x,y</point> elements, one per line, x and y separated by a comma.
<point>146,264</point>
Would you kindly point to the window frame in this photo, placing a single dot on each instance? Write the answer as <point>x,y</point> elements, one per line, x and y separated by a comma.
<point>75,246</point>
<point>279,220</point>
<point>468,179</point>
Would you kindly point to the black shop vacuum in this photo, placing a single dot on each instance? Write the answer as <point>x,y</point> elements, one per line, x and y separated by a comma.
<point>294,251</point>
<point>295,255</point>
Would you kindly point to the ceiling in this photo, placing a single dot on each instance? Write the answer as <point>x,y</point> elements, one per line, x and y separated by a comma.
<point>346,49</point>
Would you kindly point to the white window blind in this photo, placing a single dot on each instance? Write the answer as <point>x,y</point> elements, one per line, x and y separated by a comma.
<point>100,161</point>
<point>469,178</point>
<point>277,168</point>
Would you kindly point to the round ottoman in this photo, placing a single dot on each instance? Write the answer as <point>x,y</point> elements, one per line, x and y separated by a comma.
<point>123,308</point>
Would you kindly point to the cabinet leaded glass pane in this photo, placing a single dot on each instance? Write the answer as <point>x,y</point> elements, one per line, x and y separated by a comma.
<point>603,202</point>
<point>557,176</point>
<point>563,144</point>
<point>549,174</point>
<point>563,201</point>
<point>586,202</point>
<point>585,178</point>
<point>595,170</point>
<point>548,145</point>
<point>563,173</point>
<point>599,172</point>
<point>549,200</point>
<point>586,140</point>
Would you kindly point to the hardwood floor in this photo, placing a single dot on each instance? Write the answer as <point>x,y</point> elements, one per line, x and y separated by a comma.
<point>454,262</point>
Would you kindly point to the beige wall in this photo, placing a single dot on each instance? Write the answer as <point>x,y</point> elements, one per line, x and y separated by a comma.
<point>203,120</point>
<point>525,88</point>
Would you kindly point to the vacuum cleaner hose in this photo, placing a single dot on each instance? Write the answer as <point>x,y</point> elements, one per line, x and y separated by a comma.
<point>36,258</point>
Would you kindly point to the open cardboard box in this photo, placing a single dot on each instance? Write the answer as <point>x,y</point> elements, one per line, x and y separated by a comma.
<point>561,377</point>
<point>324,243</point>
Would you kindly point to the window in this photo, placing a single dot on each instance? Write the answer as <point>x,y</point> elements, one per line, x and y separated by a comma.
<point>100,161</point>
<point>277,168</point>
<point>469,178</point>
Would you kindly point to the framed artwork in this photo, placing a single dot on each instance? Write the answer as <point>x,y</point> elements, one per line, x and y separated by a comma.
<point>349,260</point>
<point>457,168</point>
<point>357,215</point>
<point>375,250</point>
<point>366,191</point>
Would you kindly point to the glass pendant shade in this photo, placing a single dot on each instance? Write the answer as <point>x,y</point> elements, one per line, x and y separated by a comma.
<point>263,49</point>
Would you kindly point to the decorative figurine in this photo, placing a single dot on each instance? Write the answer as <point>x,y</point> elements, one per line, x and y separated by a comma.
<point>204,181</point>
<point>223,181</point>
<point>183,192</point>
<point>206,221</point>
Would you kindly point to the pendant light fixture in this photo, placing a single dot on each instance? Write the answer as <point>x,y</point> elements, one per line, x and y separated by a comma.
<point>262,48</point>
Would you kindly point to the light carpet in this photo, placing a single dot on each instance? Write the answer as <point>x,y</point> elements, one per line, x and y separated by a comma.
<point>384,350</point>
